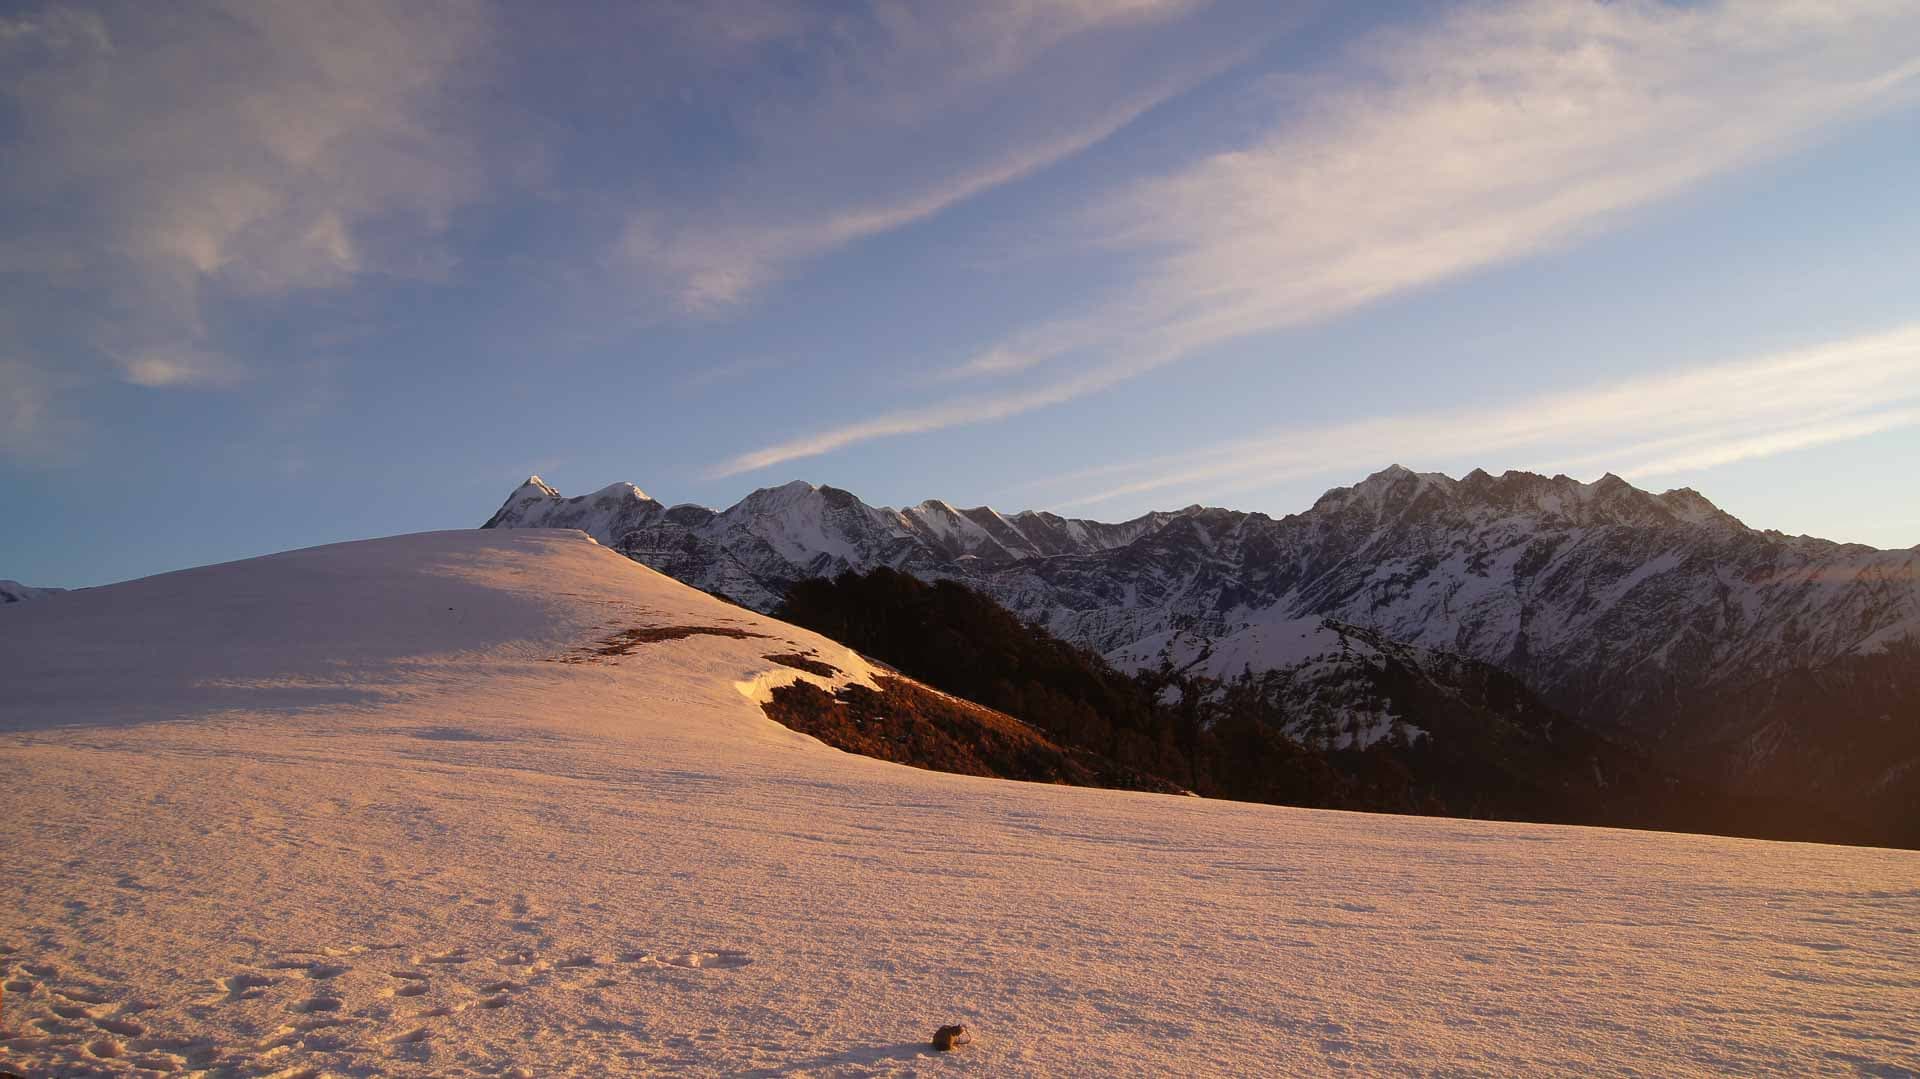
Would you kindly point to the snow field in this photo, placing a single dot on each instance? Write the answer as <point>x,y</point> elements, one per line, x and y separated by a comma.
<point>293,816</point>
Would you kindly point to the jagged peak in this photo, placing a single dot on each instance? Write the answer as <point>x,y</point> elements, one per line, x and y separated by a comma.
<point>1396,484</point>
<point>1612,497</point>
<point>1389,492</point>
<point>785,494</point>
<point>538,486</point>
<point>1690,505</point>
<point>621,490</point>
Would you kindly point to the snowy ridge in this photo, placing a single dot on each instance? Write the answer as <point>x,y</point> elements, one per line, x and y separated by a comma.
<point>396,808</point>
<point>1612,600</point>
<point>775,536</point>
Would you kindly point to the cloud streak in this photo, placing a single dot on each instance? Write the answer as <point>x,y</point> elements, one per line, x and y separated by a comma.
<point>1645,427</point>
<point>172,161</point>
<point>909,110</point>
<point>715,265</point>
<point>1497,133</point>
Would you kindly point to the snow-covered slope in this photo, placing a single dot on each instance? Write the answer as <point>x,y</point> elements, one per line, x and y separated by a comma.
<point>15,592</point>
<point>1621,606</point>
<point>428,806</point>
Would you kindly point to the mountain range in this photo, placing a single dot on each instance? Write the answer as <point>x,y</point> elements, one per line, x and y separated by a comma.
<point>1773,664</point>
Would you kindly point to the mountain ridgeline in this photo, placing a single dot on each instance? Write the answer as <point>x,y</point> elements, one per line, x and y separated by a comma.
<point>1778,668</point>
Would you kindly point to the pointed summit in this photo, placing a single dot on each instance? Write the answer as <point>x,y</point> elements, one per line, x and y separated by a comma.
<point>607,514</point>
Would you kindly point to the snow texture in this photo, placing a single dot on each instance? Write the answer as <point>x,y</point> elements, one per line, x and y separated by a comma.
<point>388,808</point>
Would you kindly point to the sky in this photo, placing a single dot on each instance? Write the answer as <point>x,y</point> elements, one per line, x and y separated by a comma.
<point>282,274</point>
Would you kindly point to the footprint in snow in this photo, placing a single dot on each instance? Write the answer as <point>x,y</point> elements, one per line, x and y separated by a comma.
<point>413,984</point>
<point>246,985</point>
<point>720,960</point>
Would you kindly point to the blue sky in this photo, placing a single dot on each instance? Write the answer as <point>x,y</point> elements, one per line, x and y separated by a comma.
<point>278,275</point>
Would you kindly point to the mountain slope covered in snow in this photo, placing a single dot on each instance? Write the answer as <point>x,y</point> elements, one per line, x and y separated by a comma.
<point>1601,592</point>
<point>431,806</point>
<point>1636,611</point>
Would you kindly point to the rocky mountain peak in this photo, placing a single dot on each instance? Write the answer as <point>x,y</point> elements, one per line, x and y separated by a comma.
<point>538,486</point>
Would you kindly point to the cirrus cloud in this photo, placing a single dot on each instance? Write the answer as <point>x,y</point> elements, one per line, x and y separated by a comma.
<point>171,159</point>
<point>1497,132</point>
<point>1643,427</point>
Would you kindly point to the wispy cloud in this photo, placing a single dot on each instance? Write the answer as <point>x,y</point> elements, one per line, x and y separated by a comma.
<point>1501,131</point>
<point>901,112</point>
<point>31,428</point>
<point>1645,427</point>
<point>170,160</point>
<point>975,410</point>
<point>713,264</point>
<point>180,366</point>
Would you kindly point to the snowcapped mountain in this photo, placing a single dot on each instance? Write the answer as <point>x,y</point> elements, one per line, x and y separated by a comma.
<point>1620,606</point>
<point>775,536</point>
<point>1609,599</point>
<point>15,592</point>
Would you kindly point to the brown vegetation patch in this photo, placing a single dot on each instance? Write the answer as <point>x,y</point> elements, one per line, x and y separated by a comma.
<point>624,642</point>
<point>800,661</point>
<point>908,723</point>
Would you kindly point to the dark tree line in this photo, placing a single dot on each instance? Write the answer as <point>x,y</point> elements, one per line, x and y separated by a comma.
<point>1489,748</point>
<point>1216,740</point>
